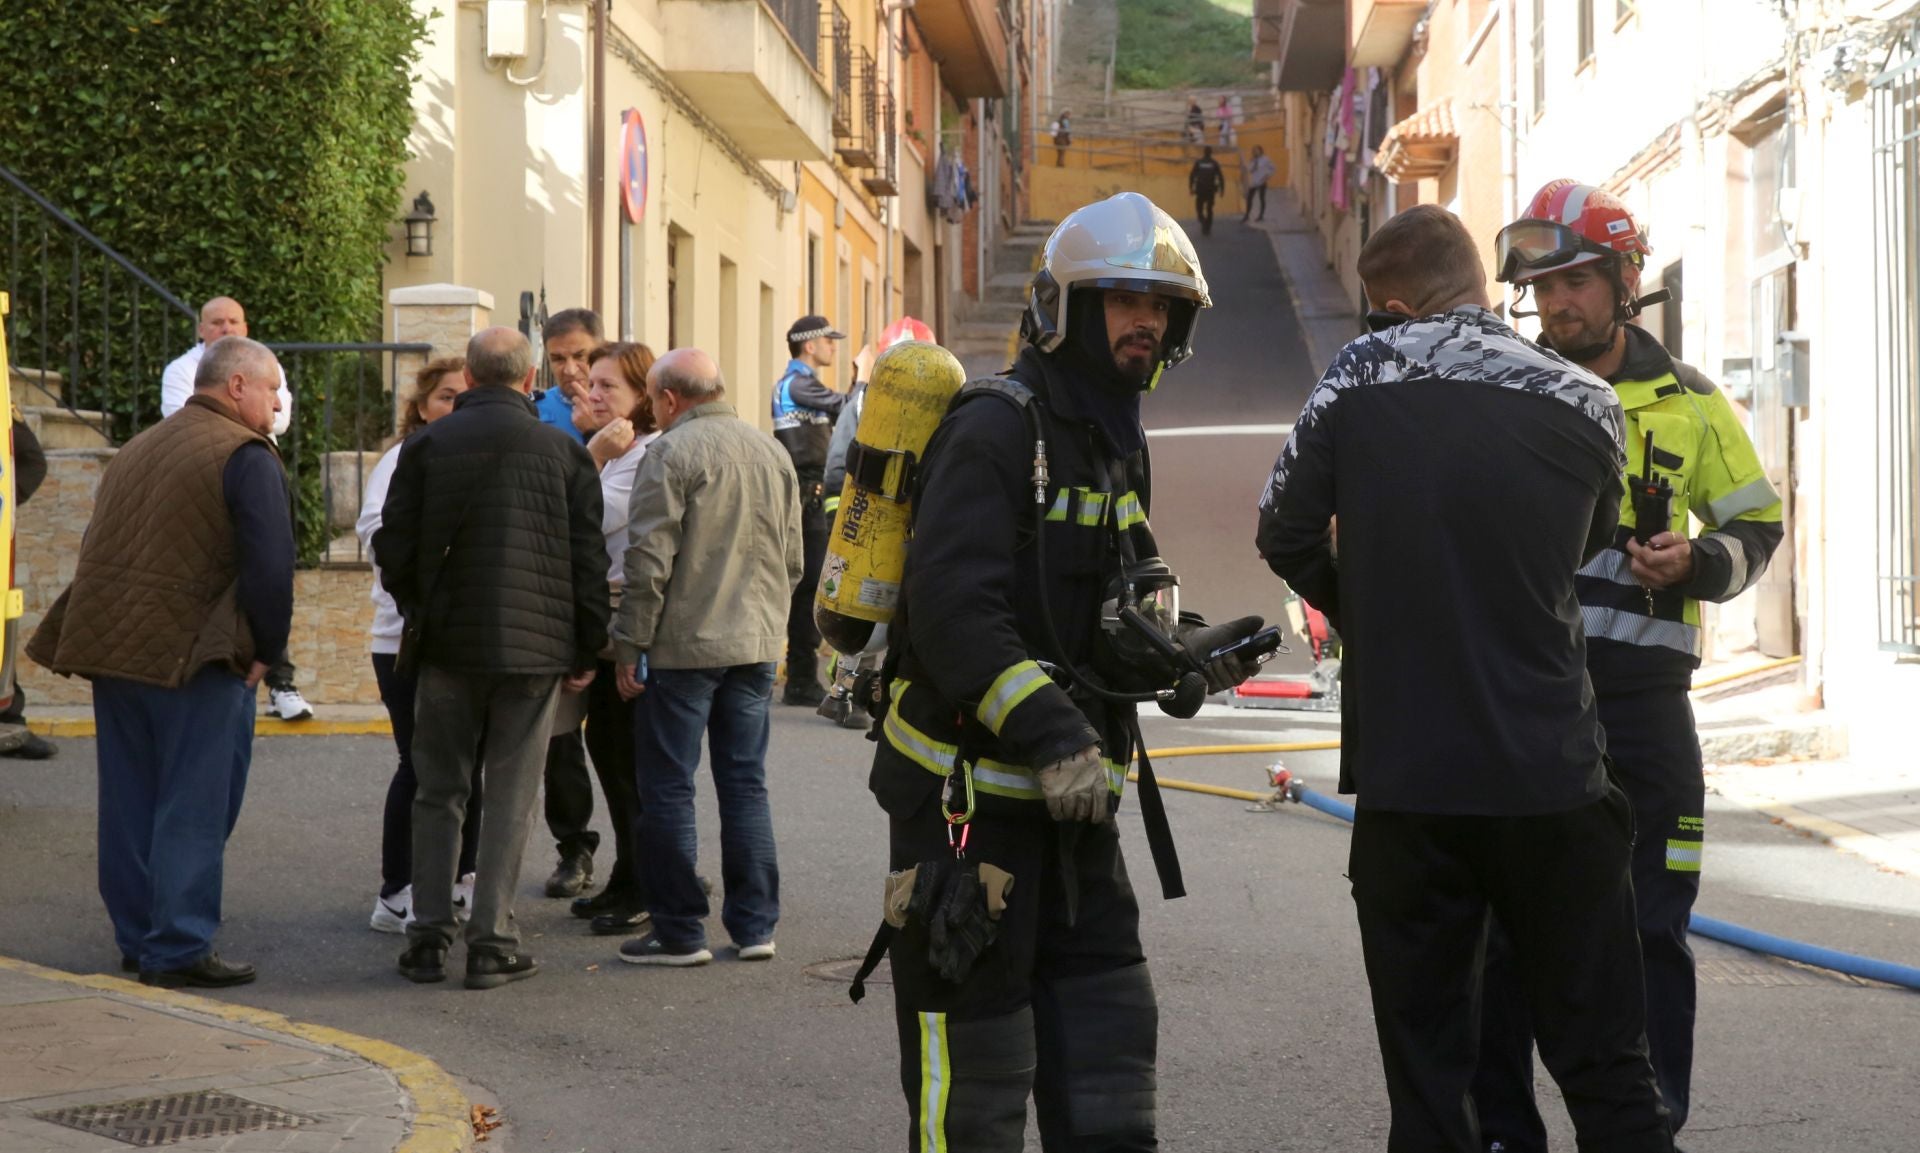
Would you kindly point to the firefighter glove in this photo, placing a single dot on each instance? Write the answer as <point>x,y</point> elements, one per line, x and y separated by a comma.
<point>1222,673</point>
<point>1076,788</point>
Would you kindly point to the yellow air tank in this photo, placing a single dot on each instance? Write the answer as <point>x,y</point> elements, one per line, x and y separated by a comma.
<point>913,382</point>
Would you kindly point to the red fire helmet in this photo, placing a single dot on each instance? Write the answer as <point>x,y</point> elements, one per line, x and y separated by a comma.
<point>1567,223</point>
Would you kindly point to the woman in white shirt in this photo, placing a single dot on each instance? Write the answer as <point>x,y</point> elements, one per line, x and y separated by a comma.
<point>439,384</point>
<point>617,395</point>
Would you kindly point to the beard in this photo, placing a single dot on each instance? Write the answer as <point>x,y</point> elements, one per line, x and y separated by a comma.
<point>1570,333</point>
<point>1136,354</point>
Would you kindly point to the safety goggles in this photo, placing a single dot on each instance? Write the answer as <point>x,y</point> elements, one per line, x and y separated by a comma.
<point>1540,246</point>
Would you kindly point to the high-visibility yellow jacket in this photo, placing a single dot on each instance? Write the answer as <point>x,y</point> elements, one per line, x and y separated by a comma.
<point>1638,636</point>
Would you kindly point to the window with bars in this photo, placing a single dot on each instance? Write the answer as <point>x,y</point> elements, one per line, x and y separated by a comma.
<point>1896,226</point>
<point>1583,30</point>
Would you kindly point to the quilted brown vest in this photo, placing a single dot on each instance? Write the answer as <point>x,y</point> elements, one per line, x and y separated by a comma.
<point>154,596</point>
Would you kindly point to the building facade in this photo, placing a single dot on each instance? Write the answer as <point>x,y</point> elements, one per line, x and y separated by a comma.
<point>1777,176</point>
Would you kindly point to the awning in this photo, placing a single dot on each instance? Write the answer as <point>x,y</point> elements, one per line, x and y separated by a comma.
<point>1421,146</point>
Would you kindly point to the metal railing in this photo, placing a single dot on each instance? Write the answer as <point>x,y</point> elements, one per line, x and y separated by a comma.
<point>885,179</point>
<point>840,30</point>
<point>801,19</point>
<point>858,148</point>
<point>1896,223</point>
<point>90,331</point>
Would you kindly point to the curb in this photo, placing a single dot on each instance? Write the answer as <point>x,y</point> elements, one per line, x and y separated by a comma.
<point>1867,846</point>
<point>440,1121</point>
<point>265,727</point>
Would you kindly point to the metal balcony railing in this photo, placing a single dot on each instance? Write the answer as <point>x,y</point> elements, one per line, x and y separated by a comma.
<point>858,148</point>
<point>885,179</point>
<point>840,33</point>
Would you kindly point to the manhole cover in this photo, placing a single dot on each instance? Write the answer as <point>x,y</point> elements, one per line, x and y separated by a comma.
<point>843,971</point>
<point>176,1117</point>
<point>1768,974</point>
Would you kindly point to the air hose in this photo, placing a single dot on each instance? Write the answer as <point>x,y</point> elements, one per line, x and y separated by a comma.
<point>1852,965</point>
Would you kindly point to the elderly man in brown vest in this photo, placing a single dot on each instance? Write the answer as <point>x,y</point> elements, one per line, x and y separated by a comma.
<point>181,601</point>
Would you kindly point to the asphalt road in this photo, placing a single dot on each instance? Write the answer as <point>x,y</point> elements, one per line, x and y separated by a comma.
<point>1266,1038</point>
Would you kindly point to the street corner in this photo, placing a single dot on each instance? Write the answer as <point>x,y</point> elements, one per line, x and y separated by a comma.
<point>89,1060</point>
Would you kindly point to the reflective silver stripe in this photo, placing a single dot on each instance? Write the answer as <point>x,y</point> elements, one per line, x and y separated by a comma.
<point>1128,510</point>
<point>1006,693</point>
<point>1093,507</point>
<point>930,755</point>
<point>1059,510</point>
<point>1117,778</point>
<point>1636,629</point>
<point>1612,565</point>
<point>933,1082</point>
<point>1736,561</point>
<point>1747,498</point>
<point>1006,781</point>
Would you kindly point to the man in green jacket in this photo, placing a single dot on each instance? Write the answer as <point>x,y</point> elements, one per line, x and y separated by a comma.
<point>713,557</point>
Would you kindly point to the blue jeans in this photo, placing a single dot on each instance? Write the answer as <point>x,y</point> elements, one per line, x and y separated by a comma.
<point>173,769</point>
<point>730,705</point>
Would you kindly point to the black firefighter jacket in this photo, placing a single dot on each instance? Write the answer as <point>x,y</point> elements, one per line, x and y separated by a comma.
<point>492,530</point>
<point>969,683</point>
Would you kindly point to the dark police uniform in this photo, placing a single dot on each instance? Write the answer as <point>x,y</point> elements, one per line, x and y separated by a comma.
<point>1060,1005</point>
<point>1642,647</point>
<point>803,412</point>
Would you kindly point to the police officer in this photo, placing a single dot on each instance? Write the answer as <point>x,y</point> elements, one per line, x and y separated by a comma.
<point>803,412</point>
<point>1580,252</point>
<point>1017,968</point>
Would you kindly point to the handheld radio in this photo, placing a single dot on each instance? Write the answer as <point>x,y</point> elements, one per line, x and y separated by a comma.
<point>1652,499</point>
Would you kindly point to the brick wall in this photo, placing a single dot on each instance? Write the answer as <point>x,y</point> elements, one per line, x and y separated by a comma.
<point>331,609</point>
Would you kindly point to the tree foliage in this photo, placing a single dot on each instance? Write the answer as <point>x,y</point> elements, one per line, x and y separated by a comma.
<point>248,148</point>
<point>1170,44</point>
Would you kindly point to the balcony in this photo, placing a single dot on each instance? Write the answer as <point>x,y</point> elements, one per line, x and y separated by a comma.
<point>884,180</point>
<point>969,40</point>
<point>1382,30</point>
<point>743,62</point>
<point>839,31</point>
<point>1307,38</point>
<point>858,145</point>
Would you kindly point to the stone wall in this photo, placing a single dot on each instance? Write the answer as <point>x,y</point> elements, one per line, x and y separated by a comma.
<point>331,608</point>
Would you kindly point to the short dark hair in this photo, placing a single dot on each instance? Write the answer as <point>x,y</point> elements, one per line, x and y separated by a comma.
<point>1206,152</point>
<point>570,320</point>
<point>795,348</point>
<point>1424,257</point>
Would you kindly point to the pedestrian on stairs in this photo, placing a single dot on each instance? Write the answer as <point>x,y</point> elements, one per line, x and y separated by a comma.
<point>1259,174</point>
<point>1206,181</point>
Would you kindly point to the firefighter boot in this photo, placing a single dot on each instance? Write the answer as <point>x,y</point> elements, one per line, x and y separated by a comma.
<point>966,1081</point>
<point>1094,1092</point>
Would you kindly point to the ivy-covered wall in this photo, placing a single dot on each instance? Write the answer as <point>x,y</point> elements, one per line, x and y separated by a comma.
<point>248,148</point>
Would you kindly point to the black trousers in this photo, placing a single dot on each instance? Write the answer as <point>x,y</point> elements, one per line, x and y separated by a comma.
<point>610,744</point>
<point>1424,887</point>
<point>803,638</point>
<point>1203,211</point>
<point>1656,759</point>
<point>569,805</point>
<point>1257,192</point>
<point>396,825</point>
<point>1062,1010</point>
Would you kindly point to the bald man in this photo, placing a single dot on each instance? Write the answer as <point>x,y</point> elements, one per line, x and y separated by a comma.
<point>713,556</point>
<point>221,316</point>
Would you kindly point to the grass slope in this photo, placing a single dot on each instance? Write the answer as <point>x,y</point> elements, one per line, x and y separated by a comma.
<point>1170,44</point>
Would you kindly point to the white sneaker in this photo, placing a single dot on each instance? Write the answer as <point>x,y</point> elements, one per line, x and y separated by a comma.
<point>761,952</point>
<point>288,705</point>
<point>463,898</point>
<point>392,914</point>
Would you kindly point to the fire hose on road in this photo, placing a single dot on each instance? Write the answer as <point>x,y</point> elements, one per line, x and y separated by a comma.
<point>1288,788</point>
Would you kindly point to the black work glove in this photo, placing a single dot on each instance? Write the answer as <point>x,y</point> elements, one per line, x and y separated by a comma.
<point>1200,639</point>
<point>950,901</point>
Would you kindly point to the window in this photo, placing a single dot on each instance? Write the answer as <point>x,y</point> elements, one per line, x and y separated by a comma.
<point>1896,312</point>
<point>1583,30</point>
<point>813,274</point>
<point>673,288</point>
<point>1622,12</point>
<point>1539,48</point>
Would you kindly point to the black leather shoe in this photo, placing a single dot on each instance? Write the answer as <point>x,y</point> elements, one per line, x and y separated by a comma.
<point>492,970</point>
<point>424,964</point>
<point>34,748</point>
<point>611,899</point>
<point>624,923</point>
<point>209,972</point>
<point>807,693</point>
<point>573,874</point>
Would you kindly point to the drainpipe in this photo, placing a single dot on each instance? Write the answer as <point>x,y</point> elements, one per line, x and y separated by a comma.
<point>890,210</point>
<point>597,153</point>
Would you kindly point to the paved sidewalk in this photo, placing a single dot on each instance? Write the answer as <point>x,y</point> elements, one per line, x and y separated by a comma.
<point>1329,318</point>
<point>97,1063</point>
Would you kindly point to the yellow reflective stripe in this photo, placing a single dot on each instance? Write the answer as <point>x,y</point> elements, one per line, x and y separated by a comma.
<point>1004,780</point>
<point>1751,497</point>
<point>1684,856</point>
<point>1117,778</point>
<point>1128,509</point>
<point>1059,510</point>
<point>935,1082</point>
<point>1019,682</point>
<point>832,504</point>
<point>931,755</point>
<point>1093,507</point>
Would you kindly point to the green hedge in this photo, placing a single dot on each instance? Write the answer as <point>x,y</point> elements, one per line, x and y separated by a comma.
<point>1168,44</point>
<point>251,148</point>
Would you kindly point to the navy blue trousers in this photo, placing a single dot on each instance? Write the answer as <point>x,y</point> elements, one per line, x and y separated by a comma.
<point>173,769</point>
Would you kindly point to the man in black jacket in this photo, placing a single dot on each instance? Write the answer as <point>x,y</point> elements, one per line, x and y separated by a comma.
<point>490,543</point>
<point>1206,180</point>
<point>803,412</point>
<point>1472,473</point>
<point>998,753</point>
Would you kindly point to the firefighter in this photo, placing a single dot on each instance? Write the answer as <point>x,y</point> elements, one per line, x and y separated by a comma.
<point>1580,252</point>
<point>1005,743</point>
